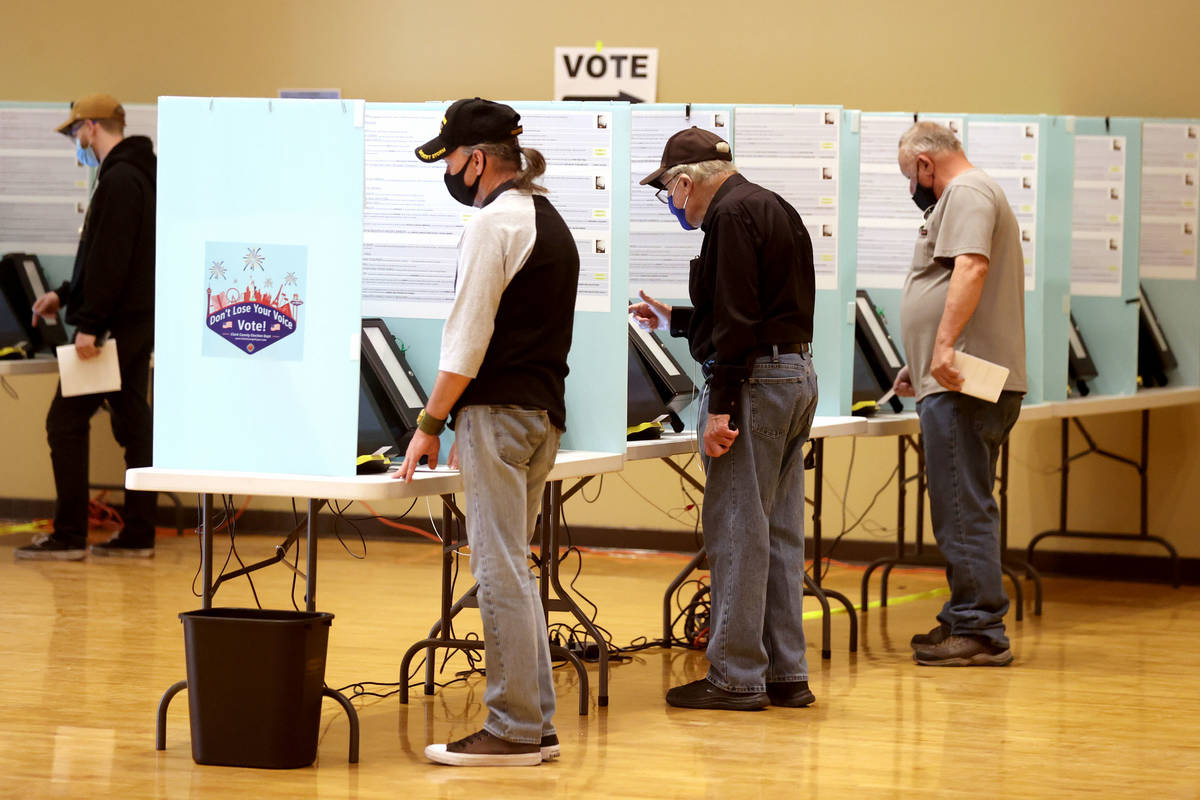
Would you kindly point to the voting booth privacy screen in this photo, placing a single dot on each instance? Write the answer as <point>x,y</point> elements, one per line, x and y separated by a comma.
<point>289,244</point>
<point>258,292</point>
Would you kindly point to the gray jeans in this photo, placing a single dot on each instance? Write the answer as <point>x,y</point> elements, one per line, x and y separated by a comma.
<point>754,529</point>
<point>962,436</point>
<point>505,454</point>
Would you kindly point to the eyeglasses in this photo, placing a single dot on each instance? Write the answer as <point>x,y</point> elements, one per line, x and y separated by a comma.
<point>664,194</point>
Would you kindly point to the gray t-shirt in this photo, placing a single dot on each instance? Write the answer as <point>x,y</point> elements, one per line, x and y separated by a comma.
<point>971,216</point>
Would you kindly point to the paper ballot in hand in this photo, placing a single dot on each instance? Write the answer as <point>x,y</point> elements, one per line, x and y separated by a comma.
<point>89,376</point>
<point>981,378</point>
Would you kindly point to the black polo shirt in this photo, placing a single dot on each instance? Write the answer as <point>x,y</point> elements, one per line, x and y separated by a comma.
<point>751,286</point>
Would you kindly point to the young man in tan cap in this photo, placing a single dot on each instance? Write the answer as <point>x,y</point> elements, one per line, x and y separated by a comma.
<point>110,294</point>
<point>750,327</point>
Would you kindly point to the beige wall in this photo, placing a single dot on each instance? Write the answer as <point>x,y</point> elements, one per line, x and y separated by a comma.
<point>1084,57</point>
<point>1100,57</point>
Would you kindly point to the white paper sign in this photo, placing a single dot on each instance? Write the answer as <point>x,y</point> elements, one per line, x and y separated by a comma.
<point>606,73</point>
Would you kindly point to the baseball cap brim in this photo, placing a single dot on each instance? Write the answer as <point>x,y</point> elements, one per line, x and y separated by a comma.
<point>653,177</point>
<point>65,128</point>
<point>433,150</point>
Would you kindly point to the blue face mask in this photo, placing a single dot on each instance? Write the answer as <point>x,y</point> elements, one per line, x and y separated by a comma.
<point>86,155</point>
<point>679,212</point>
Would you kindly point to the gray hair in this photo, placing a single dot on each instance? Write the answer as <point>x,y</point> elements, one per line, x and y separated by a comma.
<point>928,137</point>
<point>698,172</point>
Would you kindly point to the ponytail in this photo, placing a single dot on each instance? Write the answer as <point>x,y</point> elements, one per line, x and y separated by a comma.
<point>535,165</point>
<point>511,153</point>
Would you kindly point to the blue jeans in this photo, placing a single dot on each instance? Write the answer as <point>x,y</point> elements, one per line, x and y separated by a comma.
<point>753,520</point>
<point>962,437</point>
<point>505,453</point>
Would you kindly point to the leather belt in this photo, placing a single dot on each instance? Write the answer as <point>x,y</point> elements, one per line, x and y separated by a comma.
<point>775,350</point>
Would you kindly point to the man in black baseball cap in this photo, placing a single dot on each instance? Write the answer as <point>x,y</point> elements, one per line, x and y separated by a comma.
<point>751,324</point>
<point>471,121</point>
<point>501,385</point>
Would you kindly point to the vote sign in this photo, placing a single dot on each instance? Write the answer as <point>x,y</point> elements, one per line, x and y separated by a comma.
<point>606,73</point>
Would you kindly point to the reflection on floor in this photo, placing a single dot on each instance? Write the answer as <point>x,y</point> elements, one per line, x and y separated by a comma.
<point>1102,696</point>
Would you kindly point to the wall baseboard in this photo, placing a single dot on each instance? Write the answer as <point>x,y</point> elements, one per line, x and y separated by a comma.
<point>1102,566</point>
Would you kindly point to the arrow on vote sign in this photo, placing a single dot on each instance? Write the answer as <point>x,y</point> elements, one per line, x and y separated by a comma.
<point>628,74</point>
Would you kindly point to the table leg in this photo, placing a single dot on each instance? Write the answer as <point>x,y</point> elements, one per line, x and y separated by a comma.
<point>206,549</point>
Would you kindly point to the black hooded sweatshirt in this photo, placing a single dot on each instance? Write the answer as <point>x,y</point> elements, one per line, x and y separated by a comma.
<point>112,285</point>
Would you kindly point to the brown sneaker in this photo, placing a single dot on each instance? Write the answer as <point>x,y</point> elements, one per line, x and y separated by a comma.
<point>935,636</point>
<point>482,749</point>
<point>963,651</point>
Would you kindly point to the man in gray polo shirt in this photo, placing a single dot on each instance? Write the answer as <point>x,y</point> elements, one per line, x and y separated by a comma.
<point>965,292</point>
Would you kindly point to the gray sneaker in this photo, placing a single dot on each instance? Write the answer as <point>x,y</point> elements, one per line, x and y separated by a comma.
<point>115,548</point>
<point>964,651</point>
<point>47,548</point>
<point>935,636</point>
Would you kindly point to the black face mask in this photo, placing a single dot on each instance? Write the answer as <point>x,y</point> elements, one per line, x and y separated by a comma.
<point>457,186</point>
<point>923,196</point>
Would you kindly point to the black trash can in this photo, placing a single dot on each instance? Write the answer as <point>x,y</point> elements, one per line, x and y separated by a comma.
<point>254,680</point>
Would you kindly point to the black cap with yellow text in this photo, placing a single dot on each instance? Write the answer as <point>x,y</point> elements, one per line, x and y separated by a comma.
<point>689,146</point>
<point>471,121</point>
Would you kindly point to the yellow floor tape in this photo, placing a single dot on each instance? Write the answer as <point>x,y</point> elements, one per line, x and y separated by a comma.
<point>838,608</point>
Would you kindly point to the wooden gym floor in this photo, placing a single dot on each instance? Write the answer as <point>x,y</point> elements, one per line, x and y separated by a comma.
<point>1102,701</point>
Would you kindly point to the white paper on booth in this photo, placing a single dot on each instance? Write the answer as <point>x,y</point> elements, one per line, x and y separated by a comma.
<point>89,376</point>
<point>794,152</point>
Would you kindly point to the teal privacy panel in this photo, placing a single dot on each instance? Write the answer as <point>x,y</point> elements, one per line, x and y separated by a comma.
<point>34,124</point>
<point>885,254</point>
<point>1107,322</point>
<point>258,285</point>
<point>832,338</point>
<point>832,230</point>
<point>1045,219</point>
<point>686,114</point>
<point>596,384</point>
<point>1040,199</point>
<point>1176,302</point>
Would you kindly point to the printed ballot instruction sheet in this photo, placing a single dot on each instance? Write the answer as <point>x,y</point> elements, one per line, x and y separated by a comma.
<point>888,220</point>
<point>1170,186</point>
<point>660,250</point>
<point>43,189</point>
<point>794,152</point>
<point>1098,216</point>
<point>412,227</point>
<point>1008,152</point>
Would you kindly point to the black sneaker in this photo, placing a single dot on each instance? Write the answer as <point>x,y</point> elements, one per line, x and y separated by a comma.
<point>935,636</point>
<point>47,548</point>
<point>116,548</point>
<point>964,651</point>
<point>482,749</point>
<point>702,694</point>
<point>549,747</point>
<point>794,694</point>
